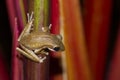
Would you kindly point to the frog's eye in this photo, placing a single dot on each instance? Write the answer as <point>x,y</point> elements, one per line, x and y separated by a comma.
<point>59,37</point>
<point>56,48</point>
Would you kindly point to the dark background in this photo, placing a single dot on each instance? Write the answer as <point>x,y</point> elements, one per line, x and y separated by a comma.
<point>5,35</point>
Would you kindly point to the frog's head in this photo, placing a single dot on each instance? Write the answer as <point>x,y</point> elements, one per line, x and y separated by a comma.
<point>57,43</point>
<point>53,42</point>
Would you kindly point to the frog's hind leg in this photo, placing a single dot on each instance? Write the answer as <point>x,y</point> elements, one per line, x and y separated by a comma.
<point>30,54</point>
<point>28,26</point>
<point>26,54</point>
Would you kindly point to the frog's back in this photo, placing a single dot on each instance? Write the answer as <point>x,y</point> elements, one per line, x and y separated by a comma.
<point>36,40</point>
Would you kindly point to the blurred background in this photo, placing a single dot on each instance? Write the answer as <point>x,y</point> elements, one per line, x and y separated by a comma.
<point>91,35</point>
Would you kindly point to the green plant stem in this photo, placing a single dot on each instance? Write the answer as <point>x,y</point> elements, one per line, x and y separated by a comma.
<point>46,12</point>
<point>38,71</point>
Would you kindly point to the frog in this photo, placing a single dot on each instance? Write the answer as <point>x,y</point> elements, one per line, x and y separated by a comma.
<point>34,42</point>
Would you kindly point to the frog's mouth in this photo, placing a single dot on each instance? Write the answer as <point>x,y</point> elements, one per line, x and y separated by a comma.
<point>55,49</point>
<point>46,50</point>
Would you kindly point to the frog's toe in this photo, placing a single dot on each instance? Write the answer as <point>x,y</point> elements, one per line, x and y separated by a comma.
<point>42,59</point>
<point>46,53</point>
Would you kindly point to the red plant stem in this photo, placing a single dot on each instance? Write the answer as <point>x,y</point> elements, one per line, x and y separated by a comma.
<point>12,15</point>
<point>3,72</point>
<point>36,71</point>
<point>97,22</point>
<point>114,69</point>
<point>55,14</point>
<point>55,21</point>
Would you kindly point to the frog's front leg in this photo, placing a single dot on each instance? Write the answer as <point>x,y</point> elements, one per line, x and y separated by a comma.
<point>28,26</point>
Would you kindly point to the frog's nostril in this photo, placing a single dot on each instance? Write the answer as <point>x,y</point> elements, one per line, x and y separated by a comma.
<point>56,48</point>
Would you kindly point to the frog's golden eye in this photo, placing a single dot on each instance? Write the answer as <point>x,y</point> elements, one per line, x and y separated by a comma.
<point>59,37</point>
